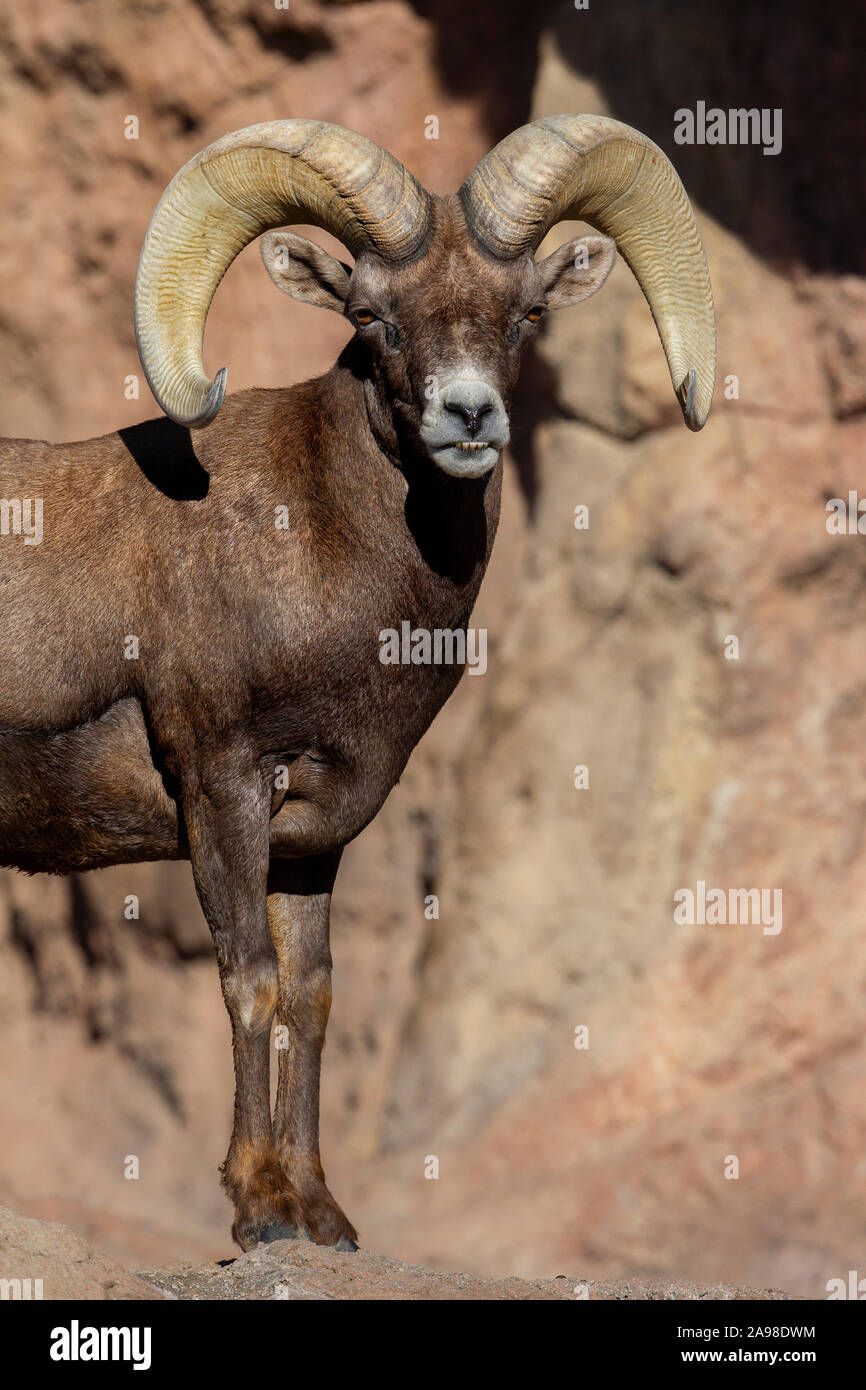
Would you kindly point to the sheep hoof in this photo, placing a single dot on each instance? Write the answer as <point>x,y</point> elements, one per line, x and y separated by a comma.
<point>277,1230</point>
<point>346,1243</point>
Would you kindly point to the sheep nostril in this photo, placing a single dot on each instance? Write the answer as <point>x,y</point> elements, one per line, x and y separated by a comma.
<point>471,415</point>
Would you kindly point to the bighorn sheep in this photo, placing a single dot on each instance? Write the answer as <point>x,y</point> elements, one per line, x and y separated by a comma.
<point>167,647</point>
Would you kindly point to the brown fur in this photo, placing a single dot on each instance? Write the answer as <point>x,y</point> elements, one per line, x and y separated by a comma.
<point>258,649</point>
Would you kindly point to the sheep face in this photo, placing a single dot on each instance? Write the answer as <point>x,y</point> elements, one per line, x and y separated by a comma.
<point>443,334</point>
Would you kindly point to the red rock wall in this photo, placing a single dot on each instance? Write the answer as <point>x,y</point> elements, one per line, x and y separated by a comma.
<point>456,1037</point>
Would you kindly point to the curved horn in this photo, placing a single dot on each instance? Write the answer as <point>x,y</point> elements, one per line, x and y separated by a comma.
<point>263,176</point>
<point>596,169</point>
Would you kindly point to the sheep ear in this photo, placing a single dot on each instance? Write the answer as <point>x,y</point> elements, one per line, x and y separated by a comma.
<point>300,268</point>
<point>577,270</point>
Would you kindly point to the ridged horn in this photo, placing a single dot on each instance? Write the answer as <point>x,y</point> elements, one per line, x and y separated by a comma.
<point>264,176</point>
<point>595,169</point>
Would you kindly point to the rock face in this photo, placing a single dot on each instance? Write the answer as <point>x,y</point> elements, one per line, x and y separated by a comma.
<point>714,1126</point>
<point>297,1271</point>
<point>41,1260</point>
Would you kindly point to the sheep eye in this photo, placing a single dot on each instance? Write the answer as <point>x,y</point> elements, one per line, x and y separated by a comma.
<point>535,313</point>
<point>364,317</point>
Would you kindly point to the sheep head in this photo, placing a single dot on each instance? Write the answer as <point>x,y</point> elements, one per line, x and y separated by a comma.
<point>443,333</point>
<point>444,291</point>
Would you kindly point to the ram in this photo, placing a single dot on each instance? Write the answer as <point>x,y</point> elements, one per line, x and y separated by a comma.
<point>191,652</point>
